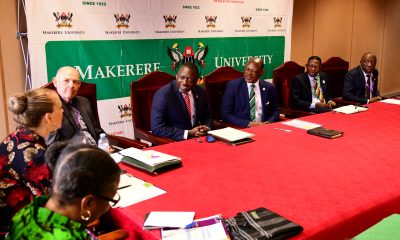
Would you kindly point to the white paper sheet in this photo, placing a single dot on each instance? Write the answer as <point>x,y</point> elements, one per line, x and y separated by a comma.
<point>349,109</point>
<point>301,124</point>
<point>211,232</point>
<point>391,101</point>
<point>133,190</point>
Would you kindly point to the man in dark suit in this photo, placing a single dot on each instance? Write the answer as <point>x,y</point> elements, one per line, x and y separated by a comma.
<point>79,124</point>
<point>308,90</point>
<point>249,101</point>
<point>361,82</point>
<point>179,109</point>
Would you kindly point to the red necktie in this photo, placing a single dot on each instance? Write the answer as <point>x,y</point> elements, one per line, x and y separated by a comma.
<point>187,101</point>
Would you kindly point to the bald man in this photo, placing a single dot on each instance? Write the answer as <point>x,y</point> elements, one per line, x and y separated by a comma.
<point>250,101</point>
<point>79,124</point>
<point>361,82</point>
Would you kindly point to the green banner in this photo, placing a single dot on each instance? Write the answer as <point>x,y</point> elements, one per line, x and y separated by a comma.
<point>113,64</point>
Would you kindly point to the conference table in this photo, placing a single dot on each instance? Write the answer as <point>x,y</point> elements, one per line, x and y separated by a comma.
<point>334,188</point>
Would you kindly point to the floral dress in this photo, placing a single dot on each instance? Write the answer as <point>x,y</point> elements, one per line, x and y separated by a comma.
<point>23,173</point>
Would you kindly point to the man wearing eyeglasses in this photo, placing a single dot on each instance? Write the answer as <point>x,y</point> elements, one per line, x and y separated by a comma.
<point>308,90</point>
<point>79,124</point>
<point>249,101</point>
<point>361,82</point>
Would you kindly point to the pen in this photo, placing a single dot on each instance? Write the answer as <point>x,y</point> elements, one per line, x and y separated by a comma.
<point>124,187</point>
<point>190,225</point>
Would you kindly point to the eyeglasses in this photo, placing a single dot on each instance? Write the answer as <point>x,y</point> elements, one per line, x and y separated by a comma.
<point>112,201</point>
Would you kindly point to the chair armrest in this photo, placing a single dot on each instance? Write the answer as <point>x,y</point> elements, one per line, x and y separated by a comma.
<point>294,113</point>
<point>148,136</point>
<point>218,124</point>
<point>114,235</point>
<point>124,142</point>
<point>340,102</point>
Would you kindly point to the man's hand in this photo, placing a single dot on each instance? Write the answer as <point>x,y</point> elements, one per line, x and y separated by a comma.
<point>198,131</point>
<point>375,99</point>
<point>321,105</point>
<point>331,104</point>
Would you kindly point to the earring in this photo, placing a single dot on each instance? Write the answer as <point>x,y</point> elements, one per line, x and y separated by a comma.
<point>89,214</point>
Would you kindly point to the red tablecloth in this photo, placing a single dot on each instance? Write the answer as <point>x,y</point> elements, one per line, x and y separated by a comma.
<point>334,188</point>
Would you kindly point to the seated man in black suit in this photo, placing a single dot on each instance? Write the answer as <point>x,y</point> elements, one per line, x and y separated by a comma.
<point>250,101</point>
<point>79,124</point>
<point>179,109</point>
<point>308,90</point>
<point>361,82</point>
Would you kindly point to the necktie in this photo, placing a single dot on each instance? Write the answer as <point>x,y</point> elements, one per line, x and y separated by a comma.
<point>317,91</point>
<point>187,102</point>
<point>252,103</point>
<point>367,87</point>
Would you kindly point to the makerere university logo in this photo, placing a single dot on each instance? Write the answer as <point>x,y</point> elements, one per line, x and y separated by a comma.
<point>122,20</point>
<point>188,55</point>
<point>211,21</point>
<point>124,110</point>
<point>277,22</point>
<point>246,21</point>
<point>170,21</point>
<point>63,19</point>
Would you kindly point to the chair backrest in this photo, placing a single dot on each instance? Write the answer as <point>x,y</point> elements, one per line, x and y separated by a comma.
<point>142,92</point>
<point>214,84</point>
<point>281,79</point>
<point>336,68</point>
<point>87,90</point>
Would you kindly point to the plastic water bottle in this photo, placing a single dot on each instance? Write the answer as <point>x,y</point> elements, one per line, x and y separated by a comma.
<point>103,142</point>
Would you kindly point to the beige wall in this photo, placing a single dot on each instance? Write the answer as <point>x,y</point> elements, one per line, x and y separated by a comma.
<point>12,73</point>
<point>347,29</point>
<point>344,28</point>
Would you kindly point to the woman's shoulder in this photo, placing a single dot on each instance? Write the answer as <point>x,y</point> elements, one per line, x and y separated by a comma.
<point>37,222</point>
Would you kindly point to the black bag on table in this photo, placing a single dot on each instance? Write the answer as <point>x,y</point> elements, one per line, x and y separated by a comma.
<point>261,224</point>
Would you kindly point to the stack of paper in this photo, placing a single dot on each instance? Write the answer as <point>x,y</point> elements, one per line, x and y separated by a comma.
<point>150,160</point>
<point>232,135</point>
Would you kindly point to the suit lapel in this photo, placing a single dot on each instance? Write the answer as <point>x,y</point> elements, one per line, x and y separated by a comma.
<point>181,102</point>
<point>67,113</point>
<point>264,97</point>
<point>307,84</point>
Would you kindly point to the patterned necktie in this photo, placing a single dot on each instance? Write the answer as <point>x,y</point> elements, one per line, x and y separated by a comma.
<point>252,103</point>
<point>367,87</point>
<point>187,102</point>
<point>317,91</point>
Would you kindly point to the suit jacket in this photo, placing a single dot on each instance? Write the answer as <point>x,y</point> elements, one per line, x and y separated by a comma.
<point>69,128</point>
<point>354,85</point>
<point>300,91</point>
<point>235,106</point>
<point>169,115</point>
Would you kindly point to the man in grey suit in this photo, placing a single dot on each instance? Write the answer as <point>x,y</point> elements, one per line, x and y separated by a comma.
<point>79,124</point>
<point>361,83</point>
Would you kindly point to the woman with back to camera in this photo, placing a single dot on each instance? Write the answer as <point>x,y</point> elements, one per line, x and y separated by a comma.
<point>84,185</point>
<point>23,172</point>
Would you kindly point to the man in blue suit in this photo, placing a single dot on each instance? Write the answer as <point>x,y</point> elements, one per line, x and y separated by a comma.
<point>361,83</point>
<point>308,90</point>
<point>237,105</point>
<point>179,109</point>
